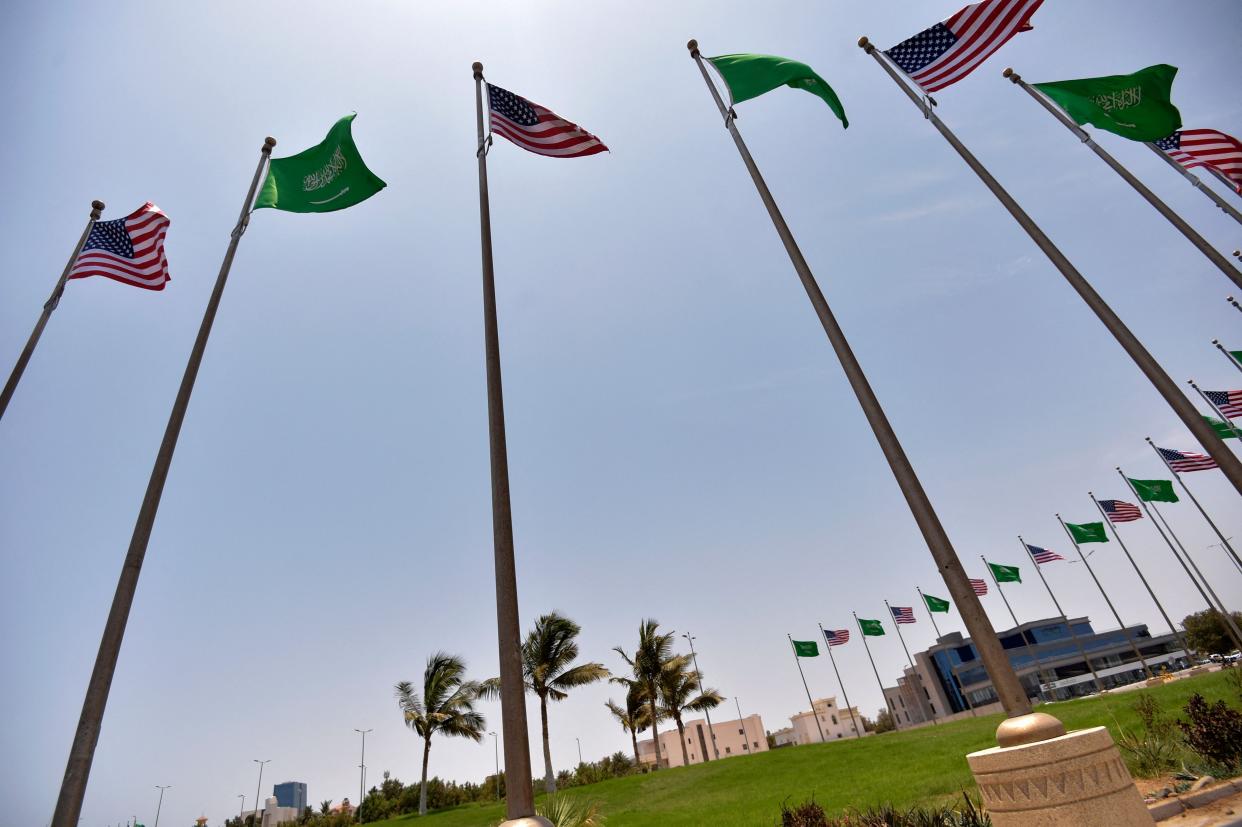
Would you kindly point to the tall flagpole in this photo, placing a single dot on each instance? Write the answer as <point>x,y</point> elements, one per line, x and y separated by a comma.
<point>858,731</point>
<point>1224,541</point>
<point>1176,220</point>
<point>82,753</point>
<point>798,661</point>
<point>1116,536</point>
<point>952,670</point>
<point>1213,602</point>
<point>1227,354</point>
<point>1223,418</point>
<point>1039,667</point>
<point>1008,689</point>
<point>1207,437</point>
<point>1224,205</point>
<point>876,672</point>
<point>1124,629</point>
<point>520,800</point>
<point>1099,686</point>
<point>909,659</point>
<point>48,306</point>
<point>1231,299</point>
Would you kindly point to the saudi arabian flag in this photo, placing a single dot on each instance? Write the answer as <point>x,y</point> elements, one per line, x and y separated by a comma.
<point>749,76</point>
<point>1087,532</point>
<point>1237,356</point>
<point>805,649</point>
<point>1155,491</point>
<point>1005,574</point>
<point>871,628</point>
<point>327,177</point>
<point>1133,106</point>
<point>1222,429</point>
<point>935,604</point>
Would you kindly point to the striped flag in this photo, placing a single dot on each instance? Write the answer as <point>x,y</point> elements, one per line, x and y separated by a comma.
<point>1206,148</point>
<point>1043,555</point>
<point>536,129</point>
<point>1229,402</point>
<point>903,614</point>
<point>129,249</point>
<point>949,51</point>
<point>1119,511</point>
<point>1186,460</point>
<point>980,586</point>
<point>837,637</point>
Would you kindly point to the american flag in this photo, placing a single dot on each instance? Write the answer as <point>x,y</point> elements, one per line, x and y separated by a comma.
<point>129,249</point>
<point>949,51</point>
<point>1206,148</point>
<point>1229,402</point>
<point>1186,460</point>
<point>903,614</point>
<point>537,129</point>
<point>1119,511</point>
<point>1043,555</point>
<point>837,637</point>
<point>980,586</point>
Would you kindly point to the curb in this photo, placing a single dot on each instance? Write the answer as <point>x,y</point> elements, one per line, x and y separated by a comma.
<point>1179,804</point>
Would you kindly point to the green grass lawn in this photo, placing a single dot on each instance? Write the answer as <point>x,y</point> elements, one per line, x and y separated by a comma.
<point>901,768</point>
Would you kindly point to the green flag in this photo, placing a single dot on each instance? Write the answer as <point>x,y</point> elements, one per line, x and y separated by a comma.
<point>1237,355</point>
<point>871,628</point>
<point>327,177</point>
<point>1222,429</point>
<point>1133,106</point>
<point>1155,491</point>
<point>1005,574</point>
<point>749,76</point>
<point>935,604</point>
<point>1087,532</point>
<point>806,649</point>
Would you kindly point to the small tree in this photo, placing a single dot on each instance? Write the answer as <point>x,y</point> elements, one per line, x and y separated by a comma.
<point>1206,632</point>
<point>884,722</point>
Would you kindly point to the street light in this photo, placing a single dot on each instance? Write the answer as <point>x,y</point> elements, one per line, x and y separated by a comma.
<point>694,656</point>
<point>241,809</point>
<point>362,771</point>
<point>742,724</point>
<point>259,786</point>
<point>496,745</point>
<point>579,740</point>
<point>159,806</point>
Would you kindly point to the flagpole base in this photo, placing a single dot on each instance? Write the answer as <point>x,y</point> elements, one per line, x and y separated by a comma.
<point>528,821</point>
<point>1069,779</point>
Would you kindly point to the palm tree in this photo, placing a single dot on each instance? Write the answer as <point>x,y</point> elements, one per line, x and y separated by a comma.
<point>446,706</point>
<point>325,807</point>
<point>635,717</point>
<point>678,685</point>
<point>547,657</point>
<point>654,652</point>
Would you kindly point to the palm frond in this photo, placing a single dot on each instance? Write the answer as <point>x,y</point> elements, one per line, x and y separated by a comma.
<point>581,675</point>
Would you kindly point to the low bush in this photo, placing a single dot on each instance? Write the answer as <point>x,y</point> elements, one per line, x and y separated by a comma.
<point>1214,731</point>
<point>810,814</point>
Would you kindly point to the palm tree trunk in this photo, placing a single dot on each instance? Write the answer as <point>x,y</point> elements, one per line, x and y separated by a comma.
<point>655,729</point>
<point>681,736</point>
<point>549,780</point>
<point>634,739</point>
<point>422,788</point>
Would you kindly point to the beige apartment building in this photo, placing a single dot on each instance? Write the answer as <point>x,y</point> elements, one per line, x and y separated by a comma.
<point>731,738</point>
<point>837,723</point>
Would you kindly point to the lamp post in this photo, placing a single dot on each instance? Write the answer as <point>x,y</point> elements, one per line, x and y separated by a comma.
<point>579,740</point>
<point>242,808</point>
<point>259,786</point>
<point>160,805</point>
<point>496,747</point>
<point>362,771</point>
<point>706,714</point>
<point>741,724</point>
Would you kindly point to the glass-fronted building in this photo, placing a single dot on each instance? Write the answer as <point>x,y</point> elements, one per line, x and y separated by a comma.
<point>291,794</point>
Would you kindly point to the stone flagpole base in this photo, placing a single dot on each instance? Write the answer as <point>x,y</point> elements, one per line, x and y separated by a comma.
<point>1042,777</point>
<point>529,821</point>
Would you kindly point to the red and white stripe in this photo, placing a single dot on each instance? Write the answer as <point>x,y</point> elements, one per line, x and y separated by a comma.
<point>1232,405</point>
<point>148,269</point>
<point>553,135</point>
<point>980,586</point>
<point>837,637</point>
<point>981,29</point>
<point>1209,148</point>
<point>1182,461</point>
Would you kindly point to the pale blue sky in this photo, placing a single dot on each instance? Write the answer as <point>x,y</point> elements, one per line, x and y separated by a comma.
<point>683,444</point>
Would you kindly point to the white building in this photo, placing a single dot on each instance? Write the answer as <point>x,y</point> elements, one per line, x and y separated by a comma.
<point>731,738</point>
<point>273,815</point>
<point>836,722</point>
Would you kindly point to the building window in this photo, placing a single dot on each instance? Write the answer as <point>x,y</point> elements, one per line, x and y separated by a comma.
<point>728,751</point>
<point>741,732</point>
<point>834,720</point>
<point>755,744</point>
<point>901,701</point>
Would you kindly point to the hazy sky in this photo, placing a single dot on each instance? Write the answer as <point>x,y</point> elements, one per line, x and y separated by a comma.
<point>683,444</point>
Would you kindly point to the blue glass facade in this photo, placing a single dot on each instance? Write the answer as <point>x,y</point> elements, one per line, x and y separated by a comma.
<point>290,794</point>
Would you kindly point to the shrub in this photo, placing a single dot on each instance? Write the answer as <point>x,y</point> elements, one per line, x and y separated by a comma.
<point>810,814</point>
<point>1153,749</point>
<point>567,811</point>
<point>1214,731</point>
<point>807,814</point>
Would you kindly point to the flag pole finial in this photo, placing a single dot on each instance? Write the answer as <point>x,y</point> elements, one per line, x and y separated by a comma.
<point>97,208</point>
<point>478,70</point>
<point>864,43</point>
<point>1013,76</point>
<point>268,143</point>
<point>693,46</point>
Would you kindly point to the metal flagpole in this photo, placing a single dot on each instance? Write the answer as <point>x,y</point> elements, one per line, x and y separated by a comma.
<point>1124,629</point>
<point>930,614</point>
<point>798,661</point>
<point>1236,560</point>
<point>1231,299</point>
<point>1039,667</point>
<point>1227,354</point>
<point>952,670</point>
<point>520,798</point>
<point>1008,690</point>
<point>1230,464</point>
<point>1213,602</point>
<point>880,683</point>
<point>48,306</point>
<point>1116,536</point>
<point>1176,220</point>
<point>858,731</point>
<point>1228,422</point>
<point>909,659</point>
<point>1099,686</point>
<point>1224,205</point>
<point>706,713</point>
<point>82,753</point>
